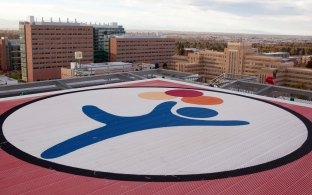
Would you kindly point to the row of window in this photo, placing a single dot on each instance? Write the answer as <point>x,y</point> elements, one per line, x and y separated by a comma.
<point>308,74</point>
<point>48,51</point>
<point>60,57</point>
<point>73,47</point>
<point>296,79</point>
<point>56,39</point>
<point>85,42</point>
<point>213,56</point>
<point>62,28</point>
<point>126,52</point>
<point>62,34</point>
<point>145,46</point>
<point>65,48</point>
<point>54,57</point>
<point>150,40</point>
<point>252,68</point>
<point>82,44</point>
<point>49,67</point>
<point>144,56</point>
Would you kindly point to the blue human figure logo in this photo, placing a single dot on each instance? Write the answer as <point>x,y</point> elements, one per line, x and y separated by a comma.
<point>160,116</point>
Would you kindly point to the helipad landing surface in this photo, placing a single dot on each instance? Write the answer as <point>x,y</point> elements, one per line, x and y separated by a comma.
<point>154,137</point>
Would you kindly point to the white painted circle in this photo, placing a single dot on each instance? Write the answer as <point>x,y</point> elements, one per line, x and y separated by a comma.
<point>272,134</point>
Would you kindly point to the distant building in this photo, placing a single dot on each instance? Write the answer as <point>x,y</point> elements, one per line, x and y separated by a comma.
<point>4,54</point>
<point>143,66</point>
<point>14,54</point>
<point>284,55</point>
<point>303,60</point>
<point>237,59</point>
<point>101,35</point>
<point>278,54</point>
<point>96,69</point>
<point>142,49</point>
<point>294,77</point>
<point>46,47</point>
<point>10,58</point>
<point>187,51</point>
<point>186,64</point>
<point>235,55</point>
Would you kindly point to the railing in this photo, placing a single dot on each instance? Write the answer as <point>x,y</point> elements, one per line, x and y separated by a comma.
<point>228,77</point>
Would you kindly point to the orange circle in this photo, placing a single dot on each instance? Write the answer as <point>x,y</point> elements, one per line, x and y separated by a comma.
<point>155,96</point>
<point>203,100</point>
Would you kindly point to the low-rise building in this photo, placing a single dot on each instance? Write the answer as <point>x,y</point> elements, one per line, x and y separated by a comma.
<point>96,69</point>
<point>277,54</point>
<point>212,63</point>
<point>303,60</point>
<point>242,59</point>
<point>295,77</point>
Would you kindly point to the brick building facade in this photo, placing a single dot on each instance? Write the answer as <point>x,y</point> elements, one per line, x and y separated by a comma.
<point>153,50</point>
<point>46,47</point>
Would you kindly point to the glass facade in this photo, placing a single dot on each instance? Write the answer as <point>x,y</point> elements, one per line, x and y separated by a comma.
<point>15,54</point>
<point>101,36</point>
<point>23,50</point>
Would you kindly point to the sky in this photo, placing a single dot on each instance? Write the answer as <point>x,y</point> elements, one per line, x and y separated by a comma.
<point>286,17</point>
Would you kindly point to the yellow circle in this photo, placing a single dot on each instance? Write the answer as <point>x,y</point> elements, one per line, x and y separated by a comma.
<point>155,96</point>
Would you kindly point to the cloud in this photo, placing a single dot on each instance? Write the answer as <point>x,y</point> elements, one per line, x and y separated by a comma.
<point>269,16</point>
<point>8,24</point>
<point>249,8</point>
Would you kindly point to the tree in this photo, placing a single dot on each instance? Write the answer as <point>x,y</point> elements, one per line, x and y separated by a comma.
<point>180,48</point>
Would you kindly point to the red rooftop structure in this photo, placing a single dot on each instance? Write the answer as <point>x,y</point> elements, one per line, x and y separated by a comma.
<point>220,142</point>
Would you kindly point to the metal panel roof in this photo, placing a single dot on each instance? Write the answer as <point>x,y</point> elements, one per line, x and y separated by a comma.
<point>154,137</point>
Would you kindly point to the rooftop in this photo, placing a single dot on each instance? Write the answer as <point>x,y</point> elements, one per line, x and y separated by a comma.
<point>78,82</point>
<point>213,139</point>
<point>232,82</point>
<point>138,35</point>
<point>67,22</point>
<point>277,53</point>
<point>106,25</point>
<point>105,64</point>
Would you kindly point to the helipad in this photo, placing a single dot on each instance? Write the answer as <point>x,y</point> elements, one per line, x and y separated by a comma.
<point>155,136</point>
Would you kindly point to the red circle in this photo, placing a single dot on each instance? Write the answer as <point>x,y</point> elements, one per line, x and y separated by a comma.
<point>184,93</point>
